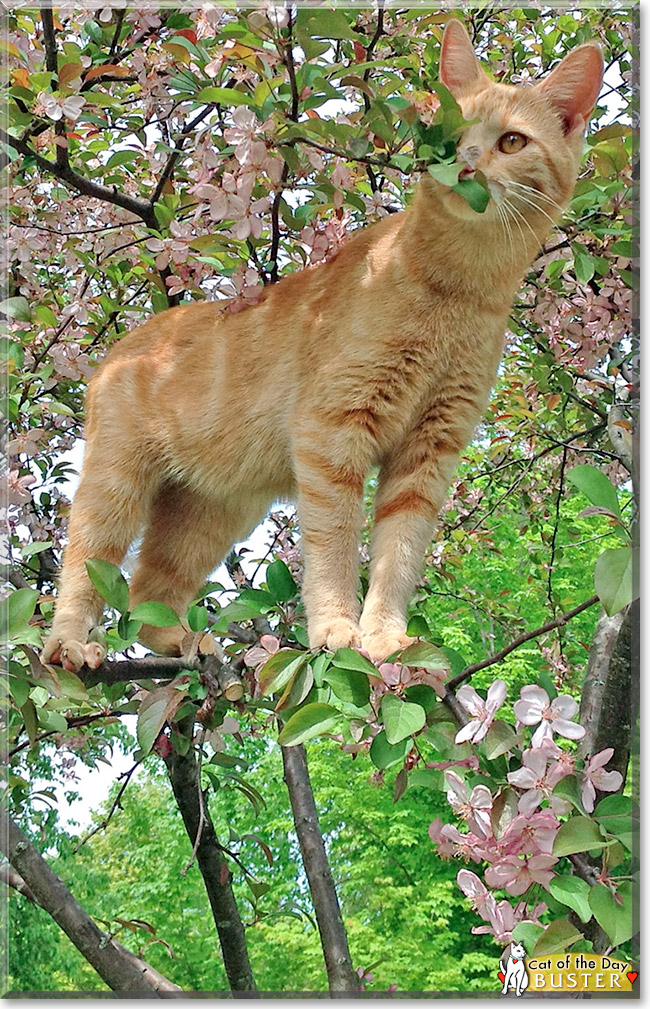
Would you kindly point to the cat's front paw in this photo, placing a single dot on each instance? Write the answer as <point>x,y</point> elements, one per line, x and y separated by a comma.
<point>334,634</point>
<point>72,655</point>
<point>382,643</point>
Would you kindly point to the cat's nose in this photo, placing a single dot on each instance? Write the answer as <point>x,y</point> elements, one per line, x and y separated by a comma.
<point>470,155</point>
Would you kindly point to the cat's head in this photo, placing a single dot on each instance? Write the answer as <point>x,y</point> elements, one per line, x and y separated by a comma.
<point>517,950</point>
<point>528,140</point>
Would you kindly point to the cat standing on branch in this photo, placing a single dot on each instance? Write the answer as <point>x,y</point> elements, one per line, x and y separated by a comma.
<point>392,349</point>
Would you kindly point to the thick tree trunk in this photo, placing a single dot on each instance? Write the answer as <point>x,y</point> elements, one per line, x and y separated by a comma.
<point>117,966</point>
<point>340,972</point>
<point>184,777</point>
<point>610,695</point>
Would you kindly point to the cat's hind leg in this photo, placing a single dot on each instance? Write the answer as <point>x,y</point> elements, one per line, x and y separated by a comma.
<point>104,520</point>
<point>186,536</point>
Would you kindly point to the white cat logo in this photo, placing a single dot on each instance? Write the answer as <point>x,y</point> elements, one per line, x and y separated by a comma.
<point>516,975</point>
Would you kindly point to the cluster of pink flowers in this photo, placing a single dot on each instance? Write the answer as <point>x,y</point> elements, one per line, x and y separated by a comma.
<point>519,850</point>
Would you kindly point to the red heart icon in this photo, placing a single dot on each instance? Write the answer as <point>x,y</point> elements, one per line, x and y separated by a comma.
<point>632,975</point>
<point>501,977</point>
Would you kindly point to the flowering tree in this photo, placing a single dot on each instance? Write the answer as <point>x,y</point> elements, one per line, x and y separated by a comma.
<point>199,153</point>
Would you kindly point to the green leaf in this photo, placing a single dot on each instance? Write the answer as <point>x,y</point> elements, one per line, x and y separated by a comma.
<point>16,308</point>
<point>222,96</point>
<point>349,658</point>
<point>19,688</point>
<point>557,938</point>
<point>312,720</point>
<point>19,609</point>
<point>53,721</point>
<point>34,548</point>
<point>446,174</point>
<point>428,777</point>
<point>326,24</point>
<point>580,833</point>
<point>122,158</point>
<point>401,718</point>
<point>280,582</point>
<point>583,263</point>
<point>424,655</point>
<point>277,671</point>
<point>383,754</point>
<point>476,195</point>
<point>618,815</point>
<point>618,920</point>
<point>28,711</point>
<point>417,627</point>
<point>158,707</point>
<point>349,685</point>
<point>569,788</point>
<point>109,582</point>
<point>613,579</point>
<point>197,618</point>
<point>155,614</point>
<point>260,598</point>
<point>595,486</point>
<point>501,737</point>
<point>71,685</point>
<point>574,892</point>
<point>528,933</point>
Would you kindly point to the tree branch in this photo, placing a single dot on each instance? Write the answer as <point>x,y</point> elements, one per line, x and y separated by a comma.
<point>121,970</point>
<point>219,676</point>
<point>185,781</point>
<point>140,208</point>
<point>340,973</point>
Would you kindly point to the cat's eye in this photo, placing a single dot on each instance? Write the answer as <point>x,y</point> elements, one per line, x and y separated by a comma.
<point>511,143</point>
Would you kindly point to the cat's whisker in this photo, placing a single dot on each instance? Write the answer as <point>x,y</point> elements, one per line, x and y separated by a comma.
<point>521,216</point>
<point>509,209</point>
<point>535,206</point>
<point>537,192</point>
<point>503,217</point>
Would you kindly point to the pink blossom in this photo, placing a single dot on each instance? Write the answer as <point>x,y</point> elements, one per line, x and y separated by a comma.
<point>475,809</point>
<point>530,835</point>
<point>595,777</point>
<point>483,711</point>
<point>17,489</point>
<point>473,888</point>
<point>534,777</point>
<point>451,843</point>
<point>256,656</point>
<point>535,706</point>
<point>56,108</point>
<point>516,874</point>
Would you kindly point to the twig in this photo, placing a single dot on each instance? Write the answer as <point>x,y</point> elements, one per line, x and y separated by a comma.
<point>201,801</point>
<point>116,36</point>
<point>127,775</point>
<point>176,153</point>
<point>293,115</point>
<point>458,711</point>
<point>521,640</point>
<point>73,723</point>
<point>51,64</point>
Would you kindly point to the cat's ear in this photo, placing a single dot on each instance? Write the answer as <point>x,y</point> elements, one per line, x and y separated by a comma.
<point>460,71</point>
<point>572,88</point>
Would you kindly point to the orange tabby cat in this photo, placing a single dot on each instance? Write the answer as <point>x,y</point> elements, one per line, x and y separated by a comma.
<point>199,420</point>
